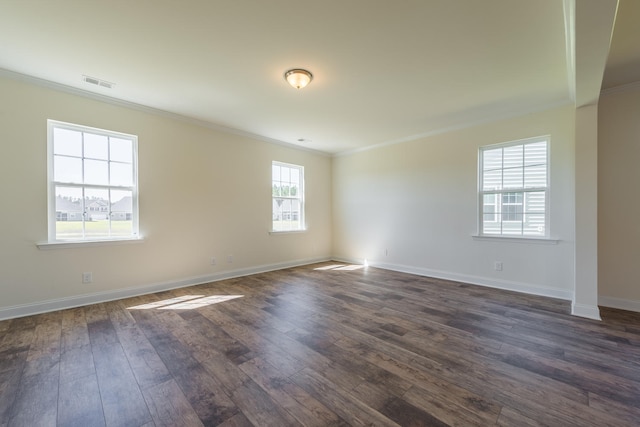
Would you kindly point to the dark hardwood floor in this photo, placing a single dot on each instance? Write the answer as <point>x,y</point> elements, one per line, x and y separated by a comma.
<point>322,346</point>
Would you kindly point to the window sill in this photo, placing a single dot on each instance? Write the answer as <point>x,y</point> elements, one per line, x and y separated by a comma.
<point>288,231</point>
<point>67,244</point>
<point>533,240</point>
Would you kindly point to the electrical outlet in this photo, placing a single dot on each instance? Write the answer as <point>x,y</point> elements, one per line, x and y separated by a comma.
<point>497,266</point>
<point>230,259</point>
<point>87,277</point>
<point>212,261</point>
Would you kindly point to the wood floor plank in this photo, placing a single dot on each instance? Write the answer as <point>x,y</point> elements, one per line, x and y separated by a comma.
<point>122,400</point>
<point>79,403</point>
<point>303,407</point>
<point>36,400</point>
<point>169,406</point>
<point>13,364</point>
<point>322,345</point>
<point>340,401</point>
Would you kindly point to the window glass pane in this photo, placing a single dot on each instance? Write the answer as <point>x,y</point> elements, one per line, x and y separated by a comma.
<point>294,190</point>
<point>67,142</point>
<point>489,203</point>
<point>121,174</point>
<point>296,215</point>
<point>514,167</point>
<point>278,214</point>
<point>96,202</point>
<point>88,159</point>
<point>534,225</point>
<point>275,172</point>
<point>285,175</point>
<point>512,178</point>
<point>96,146</point>
<point>121,213</point>
<point>535,176</point>
<point>513,228</point>
<point>295,176</point>
<point>535,202</point>
<point>67,169</point>
<point>96,172</point>
<point>513,156</point>
<point>287,192</point>
<point>492,159</point>
<point>69,213</point>
<point>275,189</point>
<point>492,180</point>
<point>490,225</point>
<point>121,150</point>
<point>535,154</point>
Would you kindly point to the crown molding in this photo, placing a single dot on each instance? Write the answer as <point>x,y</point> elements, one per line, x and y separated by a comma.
<point>48,84</point>
<point>491,118</point>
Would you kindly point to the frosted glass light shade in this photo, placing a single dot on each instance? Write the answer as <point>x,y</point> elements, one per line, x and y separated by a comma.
<point>298,78</point>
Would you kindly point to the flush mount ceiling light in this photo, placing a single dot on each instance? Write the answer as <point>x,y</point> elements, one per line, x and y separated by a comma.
<point>298,77</point>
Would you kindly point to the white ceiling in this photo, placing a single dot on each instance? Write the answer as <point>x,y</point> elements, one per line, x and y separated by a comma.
<point>384,71</point>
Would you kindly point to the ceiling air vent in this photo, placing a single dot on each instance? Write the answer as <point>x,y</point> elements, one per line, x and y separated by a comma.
<point>97,82</point>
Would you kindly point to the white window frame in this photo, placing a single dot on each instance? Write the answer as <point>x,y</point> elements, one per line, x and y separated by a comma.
<point>499,193</point>
<point>299,197</point>
<point>52,183</point>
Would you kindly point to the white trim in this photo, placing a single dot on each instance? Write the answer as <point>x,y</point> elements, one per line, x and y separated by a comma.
<point>150,110</point>
<point>569,8</point>
<point>583,310</point>
<point>52,183</point>
<point>99,297</point>
<point>519,239</point>
<point>546,139</point>
<point>508,285</point>
<point>61,244</point>
<point>300,197</point>
<point>619,303</point>
<point>273,232</point>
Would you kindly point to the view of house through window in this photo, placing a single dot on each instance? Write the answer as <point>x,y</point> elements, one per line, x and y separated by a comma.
<point>287,191</point>
<point>513,188</point>
<point>92,183</point>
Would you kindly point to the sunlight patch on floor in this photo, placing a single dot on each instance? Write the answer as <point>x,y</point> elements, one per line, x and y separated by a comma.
<point>186,302</point>
<point>343,267</point>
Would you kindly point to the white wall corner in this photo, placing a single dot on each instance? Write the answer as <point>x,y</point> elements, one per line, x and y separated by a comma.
<point>583,310</point>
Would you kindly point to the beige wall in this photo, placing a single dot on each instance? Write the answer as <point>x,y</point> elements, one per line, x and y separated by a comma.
<point>413,207</point>
<point>409,206</point>
<point>203,194</point>
<point>619,199</point>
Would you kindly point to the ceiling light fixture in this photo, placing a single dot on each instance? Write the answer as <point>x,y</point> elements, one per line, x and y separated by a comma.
<point>298,77</point>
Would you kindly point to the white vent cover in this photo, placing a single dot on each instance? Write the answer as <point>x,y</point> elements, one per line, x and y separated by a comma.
<point>98,82</point>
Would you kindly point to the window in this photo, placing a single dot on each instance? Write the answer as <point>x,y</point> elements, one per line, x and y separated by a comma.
<point>287,191</point>
<point>93,192</point>
<point>513,189</point>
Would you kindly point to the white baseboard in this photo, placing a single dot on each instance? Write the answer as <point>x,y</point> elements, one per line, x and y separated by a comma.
<point>526,288</point>
<point>583,310</point>
<point>620,303</point>
<point>98,297</point>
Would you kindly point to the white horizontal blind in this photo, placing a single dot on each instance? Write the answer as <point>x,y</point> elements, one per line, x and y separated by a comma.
<point>92,183</point>
<point>513,188</point>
